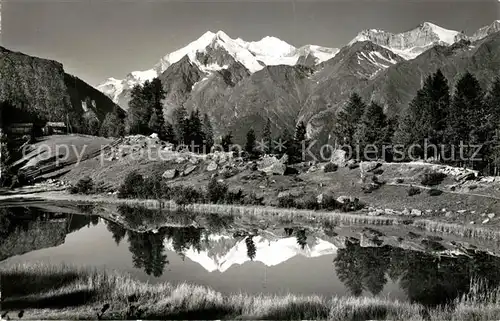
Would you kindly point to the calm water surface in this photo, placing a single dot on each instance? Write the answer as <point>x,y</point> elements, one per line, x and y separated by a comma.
<point>295,260</point>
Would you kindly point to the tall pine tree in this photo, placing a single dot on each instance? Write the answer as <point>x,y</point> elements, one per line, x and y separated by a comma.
<point>464,121</point>
<point>266,137</point>
<point>194,132</point>
<point>348,119</point>
<point>156,122</point>
<point>250,144</point>
<point>492,124</point>
<point>208,133</point>
<point>180,125</point>
<point>299,138</point>
<point>372,129</point>
<point>139,111</point>
<point>227,141</point>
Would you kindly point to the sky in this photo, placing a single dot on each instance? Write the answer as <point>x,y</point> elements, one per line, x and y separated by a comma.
<point>98,39</point>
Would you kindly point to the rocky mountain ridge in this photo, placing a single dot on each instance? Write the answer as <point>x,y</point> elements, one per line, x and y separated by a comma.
<point>237,84</point>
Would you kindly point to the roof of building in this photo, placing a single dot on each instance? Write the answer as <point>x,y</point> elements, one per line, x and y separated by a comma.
<point>55,124</point>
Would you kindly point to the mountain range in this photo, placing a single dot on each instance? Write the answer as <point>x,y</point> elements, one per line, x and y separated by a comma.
<point>240,84</point>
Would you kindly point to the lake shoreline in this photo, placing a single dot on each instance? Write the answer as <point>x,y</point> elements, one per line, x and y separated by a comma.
<point>433,225</point>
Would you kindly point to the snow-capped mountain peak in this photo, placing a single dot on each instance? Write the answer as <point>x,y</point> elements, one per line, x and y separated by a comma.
<point>487,30</point>
<point>411,43</point>
<point>214,51</point>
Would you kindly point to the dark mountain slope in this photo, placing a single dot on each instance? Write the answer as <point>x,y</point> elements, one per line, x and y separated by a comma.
<point>398,84</point>
<point>40,90</point>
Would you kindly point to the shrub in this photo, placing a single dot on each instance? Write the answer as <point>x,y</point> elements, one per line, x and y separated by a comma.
<point>400,181</point>
<point>331,167</point>
<point>352,206</point>
<point>330,203</point>
<point>412,191</point>
<point>435,192</point>
<point>432,179</point>
<point>307,203</point>
<point>84,186</point>
<point>152,188</point>
<point>132,186</point>
<point>216,191</point>
<point>472,187</point>
<point>286,202</point>
<point>185,195</point>
<point>233,197</point>
<point>378,171</point>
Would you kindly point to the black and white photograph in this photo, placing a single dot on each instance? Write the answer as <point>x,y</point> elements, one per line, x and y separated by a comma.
<point>250,159</point>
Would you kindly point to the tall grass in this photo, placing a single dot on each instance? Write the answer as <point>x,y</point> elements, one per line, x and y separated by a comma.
<point>44,292</point>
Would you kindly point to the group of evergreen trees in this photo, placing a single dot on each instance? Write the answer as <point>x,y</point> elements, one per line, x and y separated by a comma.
<point>438,124</point>
<point>145,116</point>
<point>283,144</point>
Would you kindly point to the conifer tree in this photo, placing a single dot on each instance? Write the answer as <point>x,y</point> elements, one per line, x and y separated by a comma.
<point>139,110</point>
<point>348,119</point>
<point>156,94</point>
<point>169,133</point>
<point>492,127</point>
<point>372,129</point>
<point>250,144</point>
<point>194,131</point>
<point>227,141</point>
<point>299,138</point>
<point>466,114</point>
<point>266,136</point>
<point>208,133</point>
<point>180,125</point>
<point>283,143</point>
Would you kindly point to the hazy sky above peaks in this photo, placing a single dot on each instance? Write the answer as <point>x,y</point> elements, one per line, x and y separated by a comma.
<point>97,39</point>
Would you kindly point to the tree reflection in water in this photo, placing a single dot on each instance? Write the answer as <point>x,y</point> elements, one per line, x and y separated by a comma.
<point>425,278</point>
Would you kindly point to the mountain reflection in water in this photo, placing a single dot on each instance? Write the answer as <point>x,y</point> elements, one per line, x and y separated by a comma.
<point>220,247</point>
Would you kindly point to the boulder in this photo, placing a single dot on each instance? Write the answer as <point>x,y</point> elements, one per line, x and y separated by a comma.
<point>415,212</point>
<point>284,194</point>
<point>169,174</point>
<point>179,160</point>
<point>491,215</point>
<point>486,221</point>
<point>369,166</point>
<point>194,160</point>
<point>189,170</point>
<point>344,199</point>
<point>212,166</point>
<point>339,157</point>
<point>273,166</point>
<point>389,211</point>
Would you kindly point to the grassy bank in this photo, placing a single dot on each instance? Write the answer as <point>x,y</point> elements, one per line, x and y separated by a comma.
<point>63,292</point>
